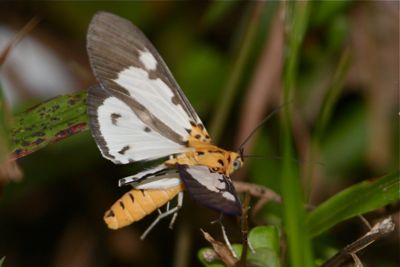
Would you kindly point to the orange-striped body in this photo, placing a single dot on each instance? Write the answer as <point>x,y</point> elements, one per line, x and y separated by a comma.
<point>136,204</point>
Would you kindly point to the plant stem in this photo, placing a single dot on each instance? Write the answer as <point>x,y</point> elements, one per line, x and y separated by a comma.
<point>294,214</point>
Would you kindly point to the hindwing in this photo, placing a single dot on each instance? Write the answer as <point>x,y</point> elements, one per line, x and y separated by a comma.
<point>211,189</point>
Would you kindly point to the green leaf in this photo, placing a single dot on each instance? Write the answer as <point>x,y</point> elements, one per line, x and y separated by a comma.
<point>2,261</point>
<point>48,122</point>
<point>265,242</point>
<point>355,200</point>
<point>265,236</point>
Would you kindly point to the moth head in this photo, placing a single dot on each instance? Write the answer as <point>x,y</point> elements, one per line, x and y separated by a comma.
<point>236,161</point>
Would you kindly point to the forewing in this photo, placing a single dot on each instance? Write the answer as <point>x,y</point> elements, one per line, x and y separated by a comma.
<point>129,68</point>
<point>121,135</point>
<point>211,189</point>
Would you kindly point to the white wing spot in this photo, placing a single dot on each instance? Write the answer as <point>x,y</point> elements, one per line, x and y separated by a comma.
<point>125,138</point>
<point>148,60</point>
<point>228,196</point>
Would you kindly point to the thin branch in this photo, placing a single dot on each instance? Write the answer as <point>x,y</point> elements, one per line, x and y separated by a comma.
<point>263,194</point>
<point>378,231</point>
<point>256,190</point>
<point>32,23</point>
<point>245,230</point>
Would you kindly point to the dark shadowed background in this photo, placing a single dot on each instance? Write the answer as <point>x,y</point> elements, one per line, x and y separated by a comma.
<point>228,58</point>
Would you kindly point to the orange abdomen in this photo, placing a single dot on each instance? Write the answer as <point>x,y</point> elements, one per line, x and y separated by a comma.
<point>136,204</point>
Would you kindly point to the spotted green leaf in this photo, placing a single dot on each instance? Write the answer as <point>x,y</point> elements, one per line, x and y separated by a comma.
<point>47,123</point>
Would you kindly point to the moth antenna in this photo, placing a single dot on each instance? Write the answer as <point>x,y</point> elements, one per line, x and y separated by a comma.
<point>258,127</point>
<point>301,161</point>
<point>280,158</point>
<point>253,156</point>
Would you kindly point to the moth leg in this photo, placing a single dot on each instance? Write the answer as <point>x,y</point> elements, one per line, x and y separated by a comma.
<point>251,247</point>
<point>164,214</point>
<point>179,205</point>
<point>224,235</point>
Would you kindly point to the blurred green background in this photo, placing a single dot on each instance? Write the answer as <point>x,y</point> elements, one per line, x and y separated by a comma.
<point>228,58</point>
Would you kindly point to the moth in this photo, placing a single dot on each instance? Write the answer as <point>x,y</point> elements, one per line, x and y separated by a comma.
<point>138,112</point>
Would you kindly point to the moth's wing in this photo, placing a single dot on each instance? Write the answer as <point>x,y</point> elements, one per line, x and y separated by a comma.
<point>129,68</point>
<point>211,189</point>
<point>120,134</point>
<point>159,177</point>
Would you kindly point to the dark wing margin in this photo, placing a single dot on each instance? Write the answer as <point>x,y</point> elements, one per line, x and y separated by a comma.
<point>96,97</point>
<point>120,134</point>
<point>211,189</point>
<point>113,44</point>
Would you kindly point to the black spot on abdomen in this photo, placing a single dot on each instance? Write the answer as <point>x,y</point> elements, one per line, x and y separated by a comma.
<point>132,198</point>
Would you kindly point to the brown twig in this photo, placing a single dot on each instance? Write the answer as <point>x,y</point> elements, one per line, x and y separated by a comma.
<point>245,230</point>
<point>221,250</point>
<point>378,231</point>
<point>256,190</point>
<point>263,194</point>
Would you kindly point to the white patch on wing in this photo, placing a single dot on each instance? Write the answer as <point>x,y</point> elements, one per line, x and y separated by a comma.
<point>160,183</point>
<point>229,196</point>
<point>159,177</point>
<point>127,137</point>
<point>210,180</point>
<point>148,60</point>
<point>155,96</point>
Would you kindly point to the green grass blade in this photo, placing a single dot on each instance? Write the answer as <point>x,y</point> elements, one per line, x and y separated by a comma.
<point>229,92</point>
<point>216,11</point>
<point>5,119</point>
<point>333,94</point>
<point>294,214</point>
<point>355,200</point>
<point>327,107</point>
<point>48,122</point>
